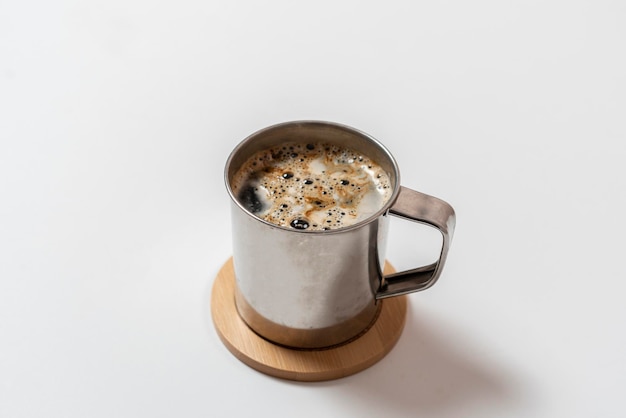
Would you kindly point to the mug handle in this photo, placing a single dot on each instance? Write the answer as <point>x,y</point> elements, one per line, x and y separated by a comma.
<point>419,207</point>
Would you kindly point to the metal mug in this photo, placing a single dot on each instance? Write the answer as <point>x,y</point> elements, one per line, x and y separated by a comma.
<point>313,289</point>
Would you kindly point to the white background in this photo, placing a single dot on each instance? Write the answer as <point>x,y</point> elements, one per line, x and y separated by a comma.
<point>116,118</point>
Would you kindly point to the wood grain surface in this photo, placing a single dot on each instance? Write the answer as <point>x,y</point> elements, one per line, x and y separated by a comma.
<point>303,364</point>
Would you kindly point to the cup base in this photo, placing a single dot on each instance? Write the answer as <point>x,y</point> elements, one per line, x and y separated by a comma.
<point>303,364</point>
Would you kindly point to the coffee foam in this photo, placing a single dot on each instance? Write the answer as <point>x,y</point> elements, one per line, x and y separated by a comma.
<point>313,186</point>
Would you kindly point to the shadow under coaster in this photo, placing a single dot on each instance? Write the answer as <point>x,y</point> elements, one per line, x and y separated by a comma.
<point>307,365</point>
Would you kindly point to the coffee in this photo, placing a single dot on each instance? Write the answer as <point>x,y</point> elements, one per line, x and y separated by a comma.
<point>311,186</point>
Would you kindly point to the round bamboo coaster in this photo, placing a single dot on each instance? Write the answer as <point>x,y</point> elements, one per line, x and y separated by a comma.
<point>307,365</point>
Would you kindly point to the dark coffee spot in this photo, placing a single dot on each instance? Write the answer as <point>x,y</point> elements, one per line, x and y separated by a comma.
<point>308,181</point>
<point>344,182</point>
<point>310,146</point>
<point>287,175</point>
<point>299,224</point>
<point>250,200</point>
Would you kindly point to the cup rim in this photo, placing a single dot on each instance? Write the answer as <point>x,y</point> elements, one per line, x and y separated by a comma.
<point>382,211</point>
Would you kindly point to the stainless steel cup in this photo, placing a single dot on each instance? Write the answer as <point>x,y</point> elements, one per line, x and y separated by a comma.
<point>311,289</point>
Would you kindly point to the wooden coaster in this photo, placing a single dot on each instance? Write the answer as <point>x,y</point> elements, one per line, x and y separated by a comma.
<point>307,365</point>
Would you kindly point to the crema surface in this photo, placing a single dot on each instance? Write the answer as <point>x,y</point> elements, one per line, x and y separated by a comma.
<point>314,186</point>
